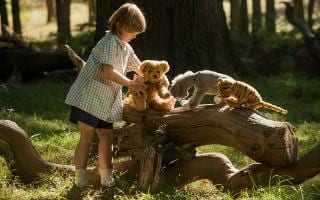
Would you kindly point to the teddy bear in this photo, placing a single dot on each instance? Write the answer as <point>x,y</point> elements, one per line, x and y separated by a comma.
<point>153,75</point>
<point>205,83</point>
<point>157,95</point>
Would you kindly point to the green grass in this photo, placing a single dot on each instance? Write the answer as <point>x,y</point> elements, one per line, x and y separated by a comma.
<point>39,109</point>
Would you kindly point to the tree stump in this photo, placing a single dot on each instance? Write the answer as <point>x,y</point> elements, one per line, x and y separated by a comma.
<point>164,145</point>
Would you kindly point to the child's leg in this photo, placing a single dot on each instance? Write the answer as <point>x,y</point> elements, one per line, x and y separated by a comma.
<point>81,153</point>
<point>105,156</point>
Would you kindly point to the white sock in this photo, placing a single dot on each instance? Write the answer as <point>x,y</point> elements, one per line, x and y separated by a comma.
<point>81,178</point>
<point>106,176</point>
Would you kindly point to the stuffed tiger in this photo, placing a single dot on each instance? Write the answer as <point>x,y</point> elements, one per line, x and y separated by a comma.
<point>238,94</point>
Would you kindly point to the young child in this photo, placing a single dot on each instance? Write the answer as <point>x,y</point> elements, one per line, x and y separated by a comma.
<point>96,95</point>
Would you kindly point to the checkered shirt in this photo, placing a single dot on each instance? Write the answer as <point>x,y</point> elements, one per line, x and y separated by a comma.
<point>91,91</point>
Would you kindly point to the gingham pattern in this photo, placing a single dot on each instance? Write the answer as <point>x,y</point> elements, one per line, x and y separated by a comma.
<point>91,91</point>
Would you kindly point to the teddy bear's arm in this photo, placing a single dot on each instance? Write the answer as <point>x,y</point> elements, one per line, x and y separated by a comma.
<point>164,82</point>
<point>163,87</point>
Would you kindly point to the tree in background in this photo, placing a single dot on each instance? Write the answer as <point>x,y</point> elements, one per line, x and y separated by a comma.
<point>4,17</point>
<point>92,11</point>
<point>270,16</point>
<point>103,12</point>
<point>235,18</point>
<point>63,21</point>
<point>256,16</point>
<point>298,8</point>
<point>51,10</point>
<point>16,16</point>
<point>310,13</point>
<point>189,34</point>
<point>244,17</point>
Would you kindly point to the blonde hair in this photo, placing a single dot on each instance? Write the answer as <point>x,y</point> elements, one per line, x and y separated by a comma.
<point>129,18</point>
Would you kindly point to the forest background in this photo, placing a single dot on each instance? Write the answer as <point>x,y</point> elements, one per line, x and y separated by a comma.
<point>250,40</point>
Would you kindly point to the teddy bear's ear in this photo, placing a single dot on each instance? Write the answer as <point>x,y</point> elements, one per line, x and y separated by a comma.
<point>145,66</point>
<point>165,66</point>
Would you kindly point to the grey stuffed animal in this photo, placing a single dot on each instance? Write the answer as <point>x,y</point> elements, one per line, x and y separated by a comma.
<point>205,83</point>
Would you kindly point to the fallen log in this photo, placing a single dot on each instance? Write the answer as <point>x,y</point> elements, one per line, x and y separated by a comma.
<point>263,140</point>
<point>183,130</point>
<point>21,62</point>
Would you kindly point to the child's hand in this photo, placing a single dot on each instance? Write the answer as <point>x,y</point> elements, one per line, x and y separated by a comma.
<point>138,78</point>
<point>137,87</point>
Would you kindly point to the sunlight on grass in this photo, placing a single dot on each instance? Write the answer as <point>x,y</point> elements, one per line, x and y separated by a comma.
<point>308,135</point>
<point>52,186</point>
<point>35,24</point>
<point>39,127</point>
<point>57,148</point>
<point>237,158</point>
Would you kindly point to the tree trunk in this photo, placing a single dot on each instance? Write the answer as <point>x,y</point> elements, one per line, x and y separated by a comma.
<point>235,15</point>
<point>310,39</point>
<point>51,10</point>
<point>4,17</point>
<point>298,11</point>
<point>256,16</point>
<point>244,17</point>
<point>310,13</point>
<point>92,11</point>
<point>270,16</point>
<point>270,142</point>
<point>63,21</point>
<point>16,16</point>
<point>189,34</point>
<point>104,11</point>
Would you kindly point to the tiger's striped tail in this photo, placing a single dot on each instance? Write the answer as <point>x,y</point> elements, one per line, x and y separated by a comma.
<point>273,107</point>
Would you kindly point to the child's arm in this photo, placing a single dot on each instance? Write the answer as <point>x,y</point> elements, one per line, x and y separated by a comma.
<point>117,77</point>
<point>133,63</point>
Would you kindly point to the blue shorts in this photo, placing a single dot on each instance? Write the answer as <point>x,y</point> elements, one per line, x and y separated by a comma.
<point>77,114</point>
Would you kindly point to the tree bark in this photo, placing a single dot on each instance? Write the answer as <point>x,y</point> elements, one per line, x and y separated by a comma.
<point>270,16</point>
<point>63,21</point>
<point>299,11</point>
<point>256,16</point>
<point>92,11</point>
<point>4,17</point>
<point>189,34</point>
<point>235,15</point>
<point>244,17</point>
<point>16,16</point>
<point>103,14</point>
<point>51,10</point>
<point>239,126</point>
<point>263,140</point>
<point>310,13</point>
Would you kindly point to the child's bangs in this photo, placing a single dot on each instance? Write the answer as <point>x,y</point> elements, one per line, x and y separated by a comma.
<point>136,26</point>
<point>136,23</point>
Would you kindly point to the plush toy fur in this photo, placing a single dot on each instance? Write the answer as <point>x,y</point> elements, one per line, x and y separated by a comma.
<point>205,83</point>
<point>239,94</point>
<point>157,95</point>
